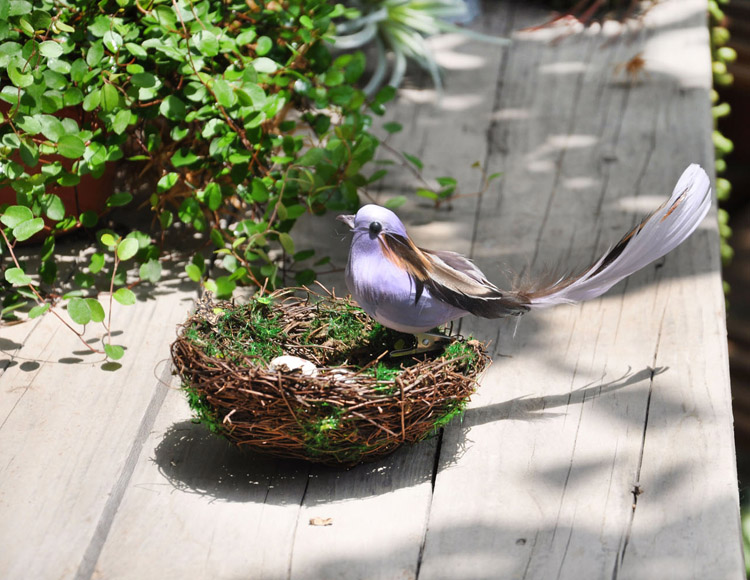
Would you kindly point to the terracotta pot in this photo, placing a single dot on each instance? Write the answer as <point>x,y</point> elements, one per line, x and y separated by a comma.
<point>89,195</point>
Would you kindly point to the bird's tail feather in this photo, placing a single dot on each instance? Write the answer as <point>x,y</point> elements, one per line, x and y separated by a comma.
<point>655,236</point>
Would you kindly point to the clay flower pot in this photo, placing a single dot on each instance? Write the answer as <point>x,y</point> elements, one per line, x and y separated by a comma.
<point>89,195</point>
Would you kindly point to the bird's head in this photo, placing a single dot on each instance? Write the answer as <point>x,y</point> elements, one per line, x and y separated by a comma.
<point>377,227</point>
<point>374,220</point>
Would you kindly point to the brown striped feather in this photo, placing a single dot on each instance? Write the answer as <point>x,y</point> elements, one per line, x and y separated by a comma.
<point>451,278</point>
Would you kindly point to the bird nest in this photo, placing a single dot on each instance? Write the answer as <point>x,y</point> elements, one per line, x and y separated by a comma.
<point>305,375</point>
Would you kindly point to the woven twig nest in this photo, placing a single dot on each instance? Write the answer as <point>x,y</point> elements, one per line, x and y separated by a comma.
<point>348,402</point>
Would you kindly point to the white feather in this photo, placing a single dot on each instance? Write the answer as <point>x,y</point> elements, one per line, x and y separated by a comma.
<point>659,234</point>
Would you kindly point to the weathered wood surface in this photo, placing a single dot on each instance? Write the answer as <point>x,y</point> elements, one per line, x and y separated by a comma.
<point>599,444</point>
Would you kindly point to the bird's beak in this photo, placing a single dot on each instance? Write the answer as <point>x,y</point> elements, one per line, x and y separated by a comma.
<point>347,219</point>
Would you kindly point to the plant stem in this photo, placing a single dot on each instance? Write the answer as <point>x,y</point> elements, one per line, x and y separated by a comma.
<point>40,300</point>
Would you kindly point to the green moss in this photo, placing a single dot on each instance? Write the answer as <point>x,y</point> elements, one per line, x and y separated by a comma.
<point>385,371</point>
<point>251,330</point>
<point>318,430</point>
<point>341,325</point>
<point>459,349</point>
<point>204,412</point>
<point>454,409</point>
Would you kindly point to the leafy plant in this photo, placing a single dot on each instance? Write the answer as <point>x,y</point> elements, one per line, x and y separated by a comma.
<point>238,112</point>
<point>401,27</point>
<point>721,56</point>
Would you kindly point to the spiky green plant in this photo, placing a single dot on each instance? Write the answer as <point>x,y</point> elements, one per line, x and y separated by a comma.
<point>402,27</point>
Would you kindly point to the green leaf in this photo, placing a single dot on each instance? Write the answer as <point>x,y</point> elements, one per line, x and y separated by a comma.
<point>51,127</point>
<point>24,25</point>
<point>124,296</point>
<point>39,310</point>
<point>312,157</point>
<point>183,157</point>
<point>206,43</point>
<point>110,99</point>
<point>48,249</point>
<point>286,242</point>
<point>96,309</point>
<point>416,161</point>
<point>193,272</point>
<point>395,202</point>
<point>108,240</point>
<point>78,70</point>
<point>50,49</point>
<point>167,182</point>
<point>16,214</point>
<point>150,271</point>
<point>119,199</point>
<point>305,277</point>
<point>127,248</point>
<point>212,196</point>
<point>172,108</point>
<point>96,262</point>
<point>446,181</point>
<point>224,287</point>
<point>379,174</point>
<point>166,219</point>
<point>91,101</point>
<point>494,176</point>
<point>429,194</point>
<point>100,25</point>
<point>29,152</point>
<point>63,67</point>
<point>84,280</point>
<point>17,277</point>
<point>259,191</point>
<point>53,207</point>
<point>18,78</point>
<point>303,255</point>
<point>114,351</point>
<point>393,127</point>
<point>218,240</point>
<point>71,146</point>
<point>333,77</point>
<point>135,49</point>
<point>64,26</point>
<point>17,8</point>
<point>224,94</point>
<point>144,80</point>
<point>384,95</point>
<point>89,219</point>
<point>265,65</point>
<point>79,311</point>
<point>263,46</point>
<point>112,40</point>
<point>40,19</point>
<point>25,230</point>
<point>246,36</point>
<point>121,121</point>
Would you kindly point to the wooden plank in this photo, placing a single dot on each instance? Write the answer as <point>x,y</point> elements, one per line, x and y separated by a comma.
<point>199,507</point>
<point>588,463</point>
<point>71,431</point>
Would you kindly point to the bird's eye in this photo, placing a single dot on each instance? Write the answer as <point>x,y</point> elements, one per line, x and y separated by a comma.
<point>376,228</point>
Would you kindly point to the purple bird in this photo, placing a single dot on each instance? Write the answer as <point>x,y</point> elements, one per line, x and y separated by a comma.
<point>414,290</point>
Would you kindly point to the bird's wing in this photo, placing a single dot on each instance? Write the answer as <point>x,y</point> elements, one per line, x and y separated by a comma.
<point>459,263</point>
<point>451,278</point>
